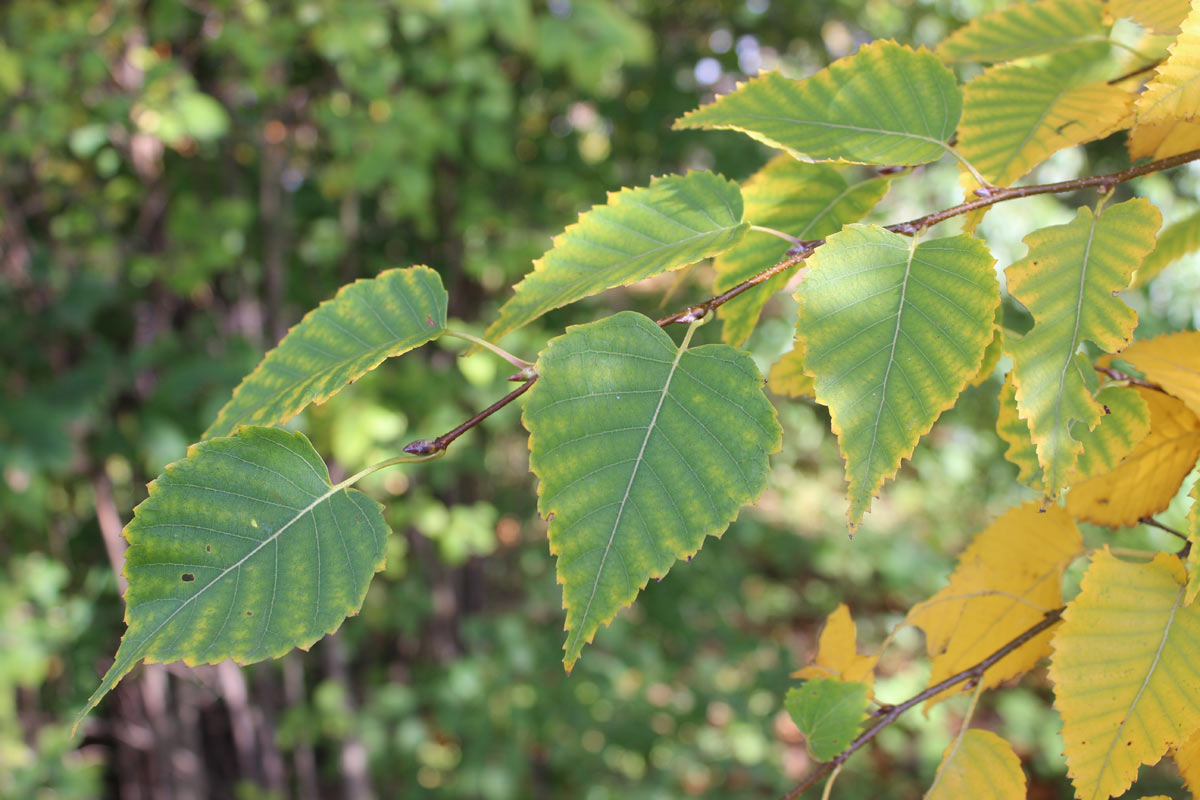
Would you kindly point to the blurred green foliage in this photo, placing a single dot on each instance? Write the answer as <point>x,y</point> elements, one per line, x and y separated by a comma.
<point>181,181</point>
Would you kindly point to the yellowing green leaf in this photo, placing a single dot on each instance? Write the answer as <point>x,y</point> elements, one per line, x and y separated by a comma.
<point>808,201</point>
<point>1149,477</point>
<point>1174,242</point>
<point>675,221</point>
<point>336,343</point>
<point>1164,139</point>
<point>1124,671</point>
<point>1015,433</point>
<point>1173,362</point>
<point>1187,758</point>
<point>837,653</point>
<point>1026,29</point>
<point>828,712</point>
<point>1015,117</point>
<point>787,375</point>
<point>893,330</point>
<point>1193,560</point>
<point>1174,92</point>
<point>1126,422</point>
<point>979,765</point>
<point>1160,16</point>
<point>886,104</point>
<point>1005,582</point>
<point>243,550</point>
<point>642,449</point>
<point>991,357</point>
<point>1068,281</point>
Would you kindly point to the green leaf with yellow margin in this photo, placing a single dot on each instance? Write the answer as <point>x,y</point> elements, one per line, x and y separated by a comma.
<point>1014,431</point>
<point>1015,117</point>
<point>1146,480</point>
<point>1005,582</point>
<point>887,104</point>
<point>1193,561</point>
<point>1126,422</point>
<point>828,712</point>
<point>893,330</point>
<point>1024,30</point>
<point>336,343</point>
<point>979,765</point>
<point>1159,16</point>
<point>991,356</point>
<point>808,201</point>
<point>787,376</point>
<point>1067,282</point>
<point>1174,242</point>
<point>1187,758</point>
<point>1174,92</point>
<point>642,449</point>
<point>1172,361</point>
<point>244,550</point>
<point>837,652</point>
<point>675,221</point>
<point>1124,671</point>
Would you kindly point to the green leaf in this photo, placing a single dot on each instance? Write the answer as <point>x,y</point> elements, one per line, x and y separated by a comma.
<point>828,712</point>
<point>886,104</point>
<point>1067,282</point>
<point>1015,117</point>
<point>336,343</point>
<point>1026,29</point>
<point>1126,422</point>
<point>243,550</point>
<point>642,449</point>
<point>808,201</point>
<point>675,221</point>
<point>1014,431</point>
<point>1174,242</point>
<point>893,331</point>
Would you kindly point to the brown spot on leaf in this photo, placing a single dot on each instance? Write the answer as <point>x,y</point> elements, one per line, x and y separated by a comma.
<point>187,577</point>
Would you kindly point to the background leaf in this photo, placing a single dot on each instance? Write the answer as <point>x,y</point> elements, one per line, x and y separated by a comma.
<point>1193,560</point>
<point>1175,241</point>
<point>1159,16</point>
<point>1015,117</point>
<point>1067,281</point>
<point>1004,583</point>
<point>642,449</point>
<point>828,712</point>
<point>787,375</point>
<point>837,652</point>
<point>1125,423</point>
<point>808,201</point>
<point>1172,361</point>
<point>1026,29</point>
<point>1124,671</point>
<point>979,765</point>
<point>1174,92</point>
<point>336,343</point>
<point>886,104</point>
<point>675,221</point>
<point>893,330</point>
<point>1163,139</point>
<point>1146,480</point>
<point>243,550</point>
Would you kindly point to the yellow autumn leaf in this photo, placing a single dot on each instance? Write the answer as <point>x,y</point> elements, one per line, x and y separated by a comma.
<point>1171,361</point>
<point>787,376</point>
<point>1193,534</point>
<point>1174,92</point>
<point>837,653</point>
<point>1004,583</point>
<point>1146,480</point>
<point>1124,674</point>
<point>1160,16</point>
<point>978,765</point>
<point>1187,758</point>
<point>1163,139</point>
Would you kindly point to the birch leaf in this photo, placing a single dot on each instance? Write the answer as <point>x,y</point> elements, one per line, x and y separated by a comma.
<point>1004,583</point>
<point>1172,361</point>
<point>1187,758</point>
<point>837,652</point>
<point>1193,560</point>
<point>1015,432</point>
<point>1163,139</point>
<point>1024,30</point>
<point>828,712</point>
<point>1174,92</point>
<point>1159,16</point>
<point>980,765</point>
<point>787,376</point>
<point>1125,423</point>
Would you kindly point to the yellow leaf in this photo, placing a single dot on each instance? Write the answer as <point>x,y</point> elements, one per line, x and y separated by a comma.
<point>1146,480</point>
<point>1164,139</point>
<point>1015,117</point>
<point>1015,433</point>
<point>837,654</point>
<point>1160,16</point>
<point>1187,758</point>
<point>978,765</point>
<point>1004,583</point>
<point>1174,92</point>
<point>1124,671</point>
<point>787,376</point>
<point>1171,361</point>
<point>1193,562</point>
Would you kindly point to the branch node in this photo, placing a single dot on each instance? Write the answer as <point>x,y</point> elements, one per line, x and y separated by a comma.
<point>424,447</point>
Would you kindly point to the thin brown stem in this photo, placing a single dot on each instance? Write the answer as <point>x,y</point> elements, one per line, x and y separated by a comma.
<point>1153,523</point>
<point>426,447</point>
<point>1134,73</point>
<point>1117,375</point>
<point>971,673</point>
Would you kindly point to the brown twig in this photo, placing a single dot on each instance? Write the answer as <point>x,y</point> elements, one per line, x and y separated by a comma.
<point>1134,73</point>
<point>803,250</point>
<point>1153,523</point>
<point>970,674</point>
<point>1117,375</point>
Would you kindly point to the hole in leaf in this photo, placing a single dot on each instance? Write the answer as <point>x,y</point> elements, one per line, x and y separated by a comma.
<point>187,577</point>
